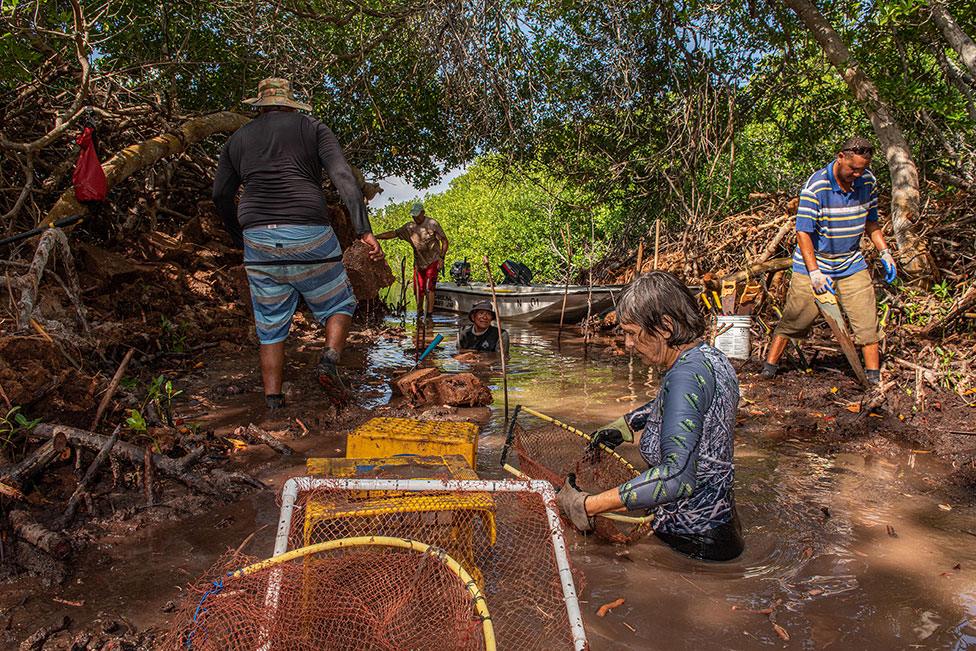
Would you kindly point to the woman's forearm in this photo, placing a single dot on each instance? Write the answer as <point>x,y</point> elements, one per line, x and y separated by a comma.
<point>608,500</point>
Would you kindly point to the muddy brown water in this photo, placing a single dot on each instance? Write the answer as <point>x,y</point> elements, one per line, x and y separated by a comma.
<point>852,550</point>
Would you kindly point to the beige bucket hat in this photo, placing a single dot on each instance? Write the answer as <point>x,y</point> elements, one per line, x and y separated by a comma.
<point>276,92</point>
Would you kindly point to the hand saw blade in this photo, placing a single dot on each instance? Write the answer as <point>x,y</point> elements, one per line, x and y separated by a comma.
<point>728,297</point>
<point>827,303</point>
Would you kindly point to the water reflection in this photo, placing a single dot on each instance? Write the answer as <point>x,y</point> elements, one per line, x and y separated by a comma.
<point>847,549</point>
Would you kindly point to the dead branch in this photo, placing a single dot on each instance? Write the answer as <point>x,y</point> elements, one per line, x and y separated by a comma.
<point>259,435</point>
<point>19,476</point>
<point>112,387</point>
<point>80,490</point>
<point>775,264</point>
<point>31,532</point>
<point>31,281</point>
<point>217,483</point>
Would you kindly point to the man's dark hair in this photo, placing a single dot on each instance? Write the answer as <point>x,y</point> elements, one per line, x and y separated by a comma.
<point>655,295</point>
<point>857,144</point>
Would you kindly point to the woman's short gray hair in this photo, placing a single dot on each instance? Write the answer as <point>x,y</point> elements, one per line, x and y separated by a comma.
<point>649,298</point>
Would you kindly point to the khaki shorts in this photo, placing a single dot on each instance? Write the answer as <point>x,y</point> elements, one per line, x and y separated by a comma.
<point>855,294</point>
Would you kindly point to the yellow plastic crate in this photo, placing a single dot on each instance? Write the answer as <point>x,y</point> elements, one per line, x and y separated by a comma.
<point>389,437</point>
<point>444,519</point>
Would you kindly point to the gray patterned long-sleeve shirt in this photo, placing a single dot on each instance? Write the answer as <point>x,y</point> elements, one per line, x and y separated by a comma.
<point>687,440</point>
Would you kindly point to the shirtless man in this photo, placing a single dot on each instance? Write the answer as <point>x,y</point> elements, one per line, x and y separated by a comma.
<point>430,245</point>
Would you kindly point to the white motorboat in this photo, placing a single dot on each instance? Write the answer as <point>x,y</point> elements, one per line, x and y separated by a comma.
<point>537,303</point>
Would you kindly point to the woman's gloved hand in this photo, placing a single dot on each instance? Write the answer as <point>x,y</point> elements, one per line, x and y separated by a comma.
<point>611,435</point>
<point>572,502</point>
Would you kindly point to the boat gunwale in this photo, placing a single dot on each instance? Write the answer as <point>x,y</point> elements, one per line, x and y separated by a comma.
<point>529,291</point>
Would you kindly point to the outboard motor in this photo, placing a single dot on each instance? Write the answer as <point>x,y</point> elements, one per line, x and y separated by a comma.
<point>461,272</point>
<point>516,273</point>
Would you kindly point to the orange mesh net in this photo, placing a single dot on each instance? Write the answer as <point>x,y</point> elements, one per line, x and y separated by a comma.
<point>343,599</point>
<point>552,451</point>
<point>383,598</point>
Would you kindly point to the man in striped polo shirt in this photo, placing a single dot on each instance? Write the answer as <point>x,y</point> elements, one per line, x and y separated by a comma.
<point>838,205</point>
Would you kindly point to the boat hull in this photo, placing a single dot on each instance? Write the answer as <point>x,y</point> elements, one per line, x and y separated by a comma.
<point>533,303</point>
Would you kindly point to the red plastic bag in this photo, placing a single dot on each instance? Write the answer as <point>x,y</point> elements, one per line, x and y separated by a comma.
<point>88,178</point>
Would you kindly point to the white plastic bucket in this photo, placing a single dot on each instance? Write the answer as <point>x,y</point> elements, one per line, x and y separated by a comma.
<point>736,342</point>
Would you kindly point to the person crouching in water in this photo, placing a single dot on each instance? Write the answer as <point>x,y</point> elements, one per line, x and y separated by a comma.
<point>685,433</point>
<point>480,335</point>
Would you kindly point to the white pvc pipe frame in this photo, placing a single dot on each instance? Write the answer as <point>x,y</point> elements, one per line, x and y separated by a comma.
<point>544,489</point>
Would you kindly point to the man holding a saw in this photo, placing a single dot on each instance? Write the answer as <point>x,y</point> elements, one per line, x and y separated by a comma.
<point>838,205</point>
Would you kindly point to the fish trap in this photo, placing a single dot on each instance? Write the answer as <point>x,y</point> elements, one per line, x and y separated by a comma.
<point>551,451</point>
<point>397,564</point>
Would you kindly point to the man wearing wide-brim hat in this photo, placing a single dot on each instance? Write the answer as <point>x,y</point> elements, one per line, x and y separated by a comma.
<point>480,335</point>
<point>290,249</point>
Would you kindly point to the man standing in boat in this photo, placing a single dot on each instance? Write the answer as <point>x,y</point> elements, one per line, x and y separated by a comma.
<point>430,245</point>
<point>479,336</point>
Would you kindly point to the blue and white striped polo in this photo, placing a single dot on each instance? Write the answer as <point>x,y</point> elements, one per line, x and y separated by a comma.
<point>835,221</point>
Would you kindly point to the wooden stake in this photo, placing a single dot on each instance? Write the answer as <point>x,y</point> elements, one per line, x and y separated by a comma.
<point>569,272</point>
<point>498,322</point>
<point>640,259</point>
<point>657,239</point>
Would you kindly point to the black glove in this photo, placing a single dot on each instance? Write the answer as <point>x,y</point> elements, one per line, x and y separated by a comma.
<point>610,438</point>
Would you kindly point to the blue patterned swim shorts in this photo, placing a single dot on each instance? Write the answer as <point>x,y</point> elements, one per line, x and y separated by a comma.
<point>277,283</point>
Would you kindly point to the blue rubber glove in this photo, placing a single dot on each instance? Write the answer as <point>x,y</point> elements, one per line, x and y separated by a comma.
<point>888,264</point>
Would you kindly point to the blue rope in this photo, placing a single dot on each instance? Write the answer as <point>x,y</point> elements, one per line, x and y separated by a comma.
<point>218,585</point>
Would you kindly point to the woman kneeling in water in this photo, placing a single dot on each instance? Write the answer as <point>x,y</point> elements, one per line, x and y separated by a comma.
<point>686,432</point>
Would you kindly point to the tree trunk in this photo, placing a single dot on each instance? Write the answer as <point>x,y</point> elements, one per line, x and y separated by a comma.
<point>141,155</point>
<point>913,250</point>
<point>958,39</point>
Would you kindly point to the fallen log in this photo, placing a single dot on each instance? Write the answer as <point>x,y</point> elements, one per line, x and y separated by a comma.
<point>39,536</point>
<point>135,455</point>
<point>20,475</point>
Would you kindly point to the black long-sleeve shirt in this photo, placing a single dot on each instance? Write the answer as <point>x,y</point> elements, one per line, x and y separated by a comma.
<point>279,157</point>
